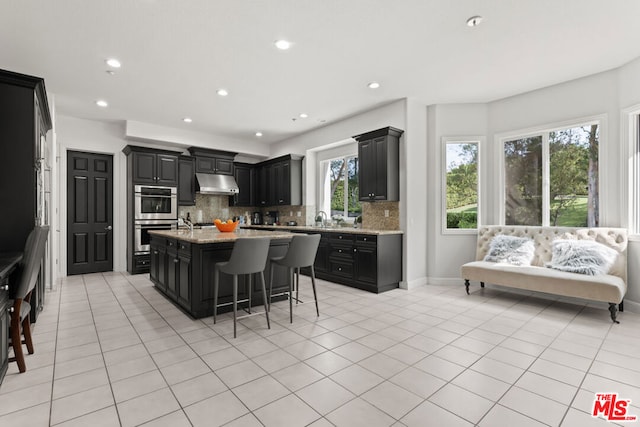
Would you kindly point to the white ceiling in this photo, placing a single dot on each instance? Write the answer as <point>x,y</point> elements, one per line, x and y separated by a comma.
<point>177,53</point>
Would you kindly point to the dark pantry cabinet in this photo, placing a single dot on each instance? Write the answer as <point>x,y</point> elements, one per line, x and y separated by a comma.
<point>186,181</point>
<point>245,175</point>
<point>24,122</point>
<point>379,161</point>
<point>279,181</point>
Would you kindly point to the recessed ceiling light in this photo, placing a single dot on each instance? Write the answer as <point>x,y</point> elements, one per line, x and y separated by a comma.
<point>258,134</point>
<point>102,103</point>
<point>283,44</point>
<point>474,21</point>
<point>373,85</point>
<point>222,92</point>
<point>113,63</point>
<point>187,120</point>
<point>303,115</point>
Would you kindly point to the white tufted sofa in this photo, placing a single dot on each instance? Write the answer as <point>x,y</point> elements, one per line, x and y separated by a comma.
<point>609,288</point>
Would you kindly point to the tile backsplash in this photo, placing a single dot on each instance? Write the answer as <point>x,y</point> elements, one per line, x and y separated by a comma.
<point>375,215</point>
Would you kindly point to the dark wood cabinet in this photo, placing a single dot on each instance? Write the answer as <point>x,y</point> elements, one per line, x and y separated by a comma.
<point>213,161</point>
<point>379,157</point>
<point>183,272</point>
<point>279,182</point>
<point>365,261</point>
<point>24,123</point>
<point>150,166</point>
<point>245,175</point>
<point>186,181</point>
<point>263,185</point>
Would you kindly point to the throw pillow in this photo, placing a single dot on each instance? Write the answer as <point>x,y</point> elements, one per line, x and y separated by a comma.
<point>581,256</point>
<point>511,249</point>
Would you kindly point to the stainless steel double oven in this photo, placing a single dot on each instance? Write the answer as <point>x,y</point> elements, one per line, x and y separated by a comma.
<point>155,208</point>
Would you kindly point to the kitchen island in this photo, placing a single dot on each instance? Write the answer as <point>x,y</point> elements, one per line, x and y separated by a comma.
<point>182,263</point>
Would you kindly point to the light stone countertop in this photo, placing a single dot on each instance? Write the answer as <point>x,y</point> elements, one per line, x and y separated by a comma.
<point>212,235</point>
<point>349,230</point>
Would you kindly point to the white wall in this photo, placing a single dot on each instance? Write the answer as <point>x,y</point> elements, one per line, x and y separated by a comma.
<point>446,250</point>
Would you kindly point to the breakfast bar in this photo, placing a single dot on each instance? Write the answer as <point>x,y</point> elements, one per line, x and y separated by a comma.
<point>182,263</point>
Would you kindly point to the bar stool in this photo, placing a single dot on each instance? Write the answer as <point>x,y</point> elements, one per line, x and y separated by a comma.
<point>249,256</point>
<point>301,253</point>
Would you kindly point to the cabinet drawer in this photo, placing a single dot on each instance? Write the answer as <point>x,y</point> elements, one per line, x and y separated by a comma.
<point>342,251</point>
<point>184,248</point>
<point>141,261</point>
<point>366,238</point>
<point>341,237</point>
<point>341,268</point>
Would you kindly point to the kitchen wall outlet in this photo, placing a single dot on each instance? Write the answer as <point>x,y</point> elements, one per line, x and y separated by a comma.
<point>299,214</point>
<point>290,213</point>
<point>386,213</point>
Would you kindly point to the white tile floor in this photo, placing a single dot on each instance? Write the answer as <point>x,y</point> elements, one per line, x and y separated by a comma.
<point>112,351</point>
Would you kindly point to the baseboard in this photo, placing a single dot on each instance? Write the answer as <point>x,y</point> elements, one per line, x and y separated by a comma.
<point>412,284</point>
<point>631,306</point>
<point>445,281</point>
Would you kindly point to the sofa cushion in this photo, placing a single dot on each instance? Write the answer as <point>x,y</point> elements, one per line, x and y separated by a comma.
<point>511,250</point>
<point>581,256</point>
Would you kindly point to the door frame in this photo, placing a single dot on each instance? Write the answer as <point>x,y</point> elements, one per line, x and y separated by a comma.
<point>119,204</point>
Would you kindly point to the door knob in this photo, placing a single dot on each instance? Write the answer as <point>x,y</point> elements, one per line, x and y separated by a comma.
<point>108,228</point>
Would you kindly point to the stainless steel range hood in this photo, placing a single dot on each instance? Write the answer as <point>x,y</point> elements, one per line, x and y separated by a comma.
<point>209,183</point>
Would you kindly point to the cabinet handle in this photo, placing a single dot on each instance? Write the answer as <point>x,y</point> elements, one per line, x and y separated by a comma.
<point>339,268</point>
<point>364,238</point>
<point>340,250</point>
<point>5,287</point>
<point>176,260</point>
<point>155,252</point>
<point>355,250</point>
<point>339,237</point>
<point>11,309</point>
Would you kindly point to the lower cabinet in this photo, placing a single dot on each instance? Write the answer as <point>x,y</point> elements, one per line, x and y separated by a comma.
<point>372,262</point>
<point>183,272</point>
<point>365,261</point>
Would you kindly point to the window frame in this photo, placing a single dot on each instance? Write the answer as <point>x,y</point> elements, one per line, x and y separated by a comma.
<point>344,152</point>
<point>631,159</point>
<point>479,141</point>
<point>544,131</point>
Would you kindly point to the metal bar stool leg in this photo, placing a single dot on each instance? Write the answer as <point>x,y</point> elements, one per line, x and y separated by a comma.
<point>249,290</point>
<point>216,278</point>
<point>290,271</point>
<point>313,285</point>
<point>297,284</point>
<point>271,266</point>
<point>235,303</point>
<point>264,295</point>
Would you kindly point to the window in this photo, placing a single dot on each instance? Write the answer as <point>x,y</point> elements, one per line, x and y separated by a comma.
<point>341,191</point>
<point>461,184</point>
<point>551,177</point>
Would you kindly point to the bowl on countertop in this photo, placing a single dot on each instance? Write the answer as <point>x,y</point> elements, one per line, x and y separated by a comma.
<point>226,227</point>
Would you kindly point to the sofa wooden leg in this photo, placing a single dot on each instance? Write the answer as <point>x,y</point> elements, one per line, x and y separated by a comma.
<point>621,306</point>
<point>613,310</point>
<point>466,285</point>
<point>482,284</point>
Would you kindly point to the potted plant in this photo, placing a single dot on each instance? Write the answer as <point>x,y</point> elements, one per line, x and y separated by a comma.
<point>358,222</point>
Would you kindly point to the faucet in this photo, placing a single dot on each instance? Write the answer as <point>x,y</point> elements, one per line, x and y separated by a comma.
<point>322,214</point>
<point>189,224</point>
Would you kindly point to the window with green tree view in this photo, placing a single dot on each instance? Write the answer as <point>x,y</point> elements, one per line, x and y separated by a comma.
<point>552,178</point>
<point>342,182</point>
<point>461,192</point>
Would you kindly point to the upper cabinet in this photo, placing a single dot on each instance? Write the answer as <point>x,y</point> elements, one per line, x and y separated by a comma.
<point>186,181</point>
<point>378,155</point>
<point>213,161</point>
<point>280,181</point>
<point>149,166</point>
<point>245,175</point>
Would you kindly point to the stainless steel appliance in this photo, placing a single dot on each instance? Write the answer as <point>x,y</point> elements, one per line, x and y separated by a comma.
<point>256,219</point>
<point>155,203</point>
<point>141,236</point>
